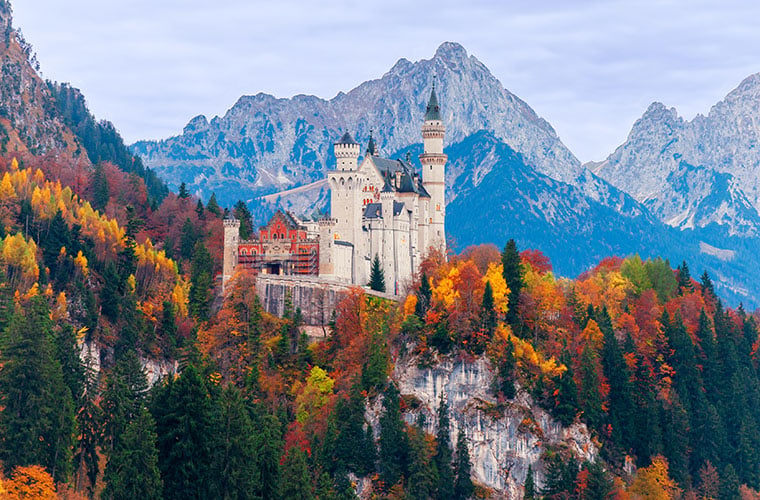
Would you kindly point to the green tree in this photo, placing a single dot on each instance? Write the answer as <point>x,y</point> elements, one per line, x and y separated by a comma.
<point>424,296</point>
<point>443,457</point>
<point>183,193</point>
<point>213,206</point>
<point>188,239</point>
<point>729,484</point>
<point>507,371</point>
<point>124,397</point>
<point>37,422</point>
<point>512,270</point>
<point>375,369</point>
<point>377,276</point>
<point>235,452</point>
<point>268,452</point>
<point>394,447</point>
<point>530,485</point>
<point>99,187</point>
<point>463,487</point>
<point>200,282</point>
<point>488,311</point>
<point>295,482</point>
<point>242,214</point>
<point>423,475</point>
<point>132,470</point>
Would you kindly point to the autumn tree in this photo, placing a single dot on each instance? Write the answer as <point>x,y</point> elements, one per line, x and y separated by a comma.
<point>654,481</point>
<point>32,482</point>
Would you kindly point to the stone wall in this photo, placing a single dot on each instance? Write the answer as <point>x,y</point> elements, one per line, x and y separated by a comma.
<point>316,297</point>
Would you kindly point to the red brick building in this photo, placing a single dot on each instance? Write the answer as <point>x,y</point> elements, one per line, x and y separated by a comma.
<point>283,246</point>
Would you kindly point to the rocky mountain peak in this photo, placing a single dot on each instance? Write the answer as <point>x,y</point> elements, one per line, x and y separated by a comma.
<point>451,51</point>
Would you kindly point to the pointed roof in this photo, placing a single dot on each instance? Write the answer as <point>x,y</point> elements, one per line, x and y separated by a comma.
<point>347,139</point>
<point>433,111</point>
<point>371,150</point>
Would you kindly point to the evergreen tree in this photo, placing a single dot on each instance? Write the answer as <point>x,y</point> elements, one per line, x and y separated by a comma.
<point>375,369</point>
<point>463,487</point>
<point>706,284</point>
<point>529,491</point>
<point>169,326</point>
<point>565,407</point>
<point>188,239</point>
<point>561,473</point>
<point>588,394</point>
<point>268,452</point>
<point>132,470</point>
<point>599,484</point>
<point>729,484</point>
<point>235,453</point>
<point>58,237</point>
<point>394,447</point>
<point>6,305</point>
<point>443,457</point>
<point>512,270</point>
<point>241,213</point>
<point>100,189</point>
<point>183,193</point>
<point>488,311</point>
<point>213,206</point>
<point>377,276</point>
<point>109,294</point>
<point>200,282</point>
<point>37,421</point>
<point>507,371</point>
<point>620,401</point>
<point>124,397</point>
<point>424,296</point>
<point>684,279</point>
<point>295,482</point>
<point>199,210</point>
<point>183,413</point>
<point>423,475</point>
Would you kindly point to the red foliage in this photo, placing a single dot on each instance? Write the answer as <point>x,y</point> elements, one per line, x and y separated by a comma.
<point>537,260</point>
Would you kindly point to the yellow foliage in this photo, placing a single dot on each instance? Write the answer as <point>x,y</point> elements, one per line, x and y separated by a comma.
<point>60,311</point>
<point>654,482</point>
<point>14,164</point>
<point>7,191</point>
<point>18,252</point>
<point>527,357</point>
<point>32,482</point>
<point>495,276</point>
<point>32,292</point>
<point>445,291</point>
<point>315,394</point>
<point>81,262</point>
<point>180,297</point>
<point>131,283</point>
<point>410,304</point>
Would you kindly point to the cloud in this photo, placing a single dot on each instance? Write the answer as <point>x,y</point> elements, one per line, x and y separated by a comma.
<point>589,67</point>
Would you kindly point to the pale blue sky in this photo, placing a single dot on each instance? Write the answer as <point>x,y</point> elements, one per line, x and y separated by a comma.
<point>589,67</point>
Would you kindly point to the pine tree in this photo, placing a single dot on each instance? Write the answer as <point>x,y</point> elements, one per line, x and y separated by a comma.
<point>188,239</point>
<point>463,487</point>
<point>124,397</point>
<point>242,214</point>
<point>423,475</point>
<point>394,447</point>
<point>199,210</point>
<point>268,452</point>
<point>424,296</point>
<point>599,484</point>
<point>212,205</point>
<point>132,470</point>
<point>488,311</point>
<point>295,482</point>
<point>445,487</point>
<point>507,371</point>
<point>183,193</point>
<point>100,189</point>
<point>235,453</point>
<point>109,294</point>
<point>530,485</point>
<point>729,484</point>
<point>183,413</point>
<point>375,369</point>
<point>620,402</point>
<point>512,270</point>
<point>201,282</point>
<point>706,284</point>
<point>37,420</point>
<point>684,279</point>
<point>377,276</point>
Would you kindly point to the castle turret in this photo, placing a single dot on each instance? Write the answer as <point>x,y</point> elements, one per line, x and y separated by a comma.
<point>231,240</point>
<point>433,162</point>
<point>346,153</point>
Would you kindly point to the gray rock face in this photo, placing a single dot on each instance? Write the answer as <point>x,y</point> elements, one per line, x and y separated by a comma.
<point>694,173</point>
<point>504,441</point>
<point>264,144</point>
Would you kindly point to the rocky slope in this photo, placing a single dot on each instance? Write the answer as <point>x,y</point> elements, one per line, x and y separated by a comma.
<point>504,439</point>
<point>264,144</point>
<point>699,172</point>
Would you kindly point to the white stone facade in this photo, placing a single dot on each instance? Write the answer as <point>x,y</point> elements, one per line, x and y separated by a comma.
<point>382,207</point>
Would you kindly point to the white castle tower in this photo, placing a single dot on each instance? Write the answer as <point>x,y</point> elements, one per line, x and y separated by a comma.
<point>433,162</point>
<point>231,240</point>
<point>346,183</point>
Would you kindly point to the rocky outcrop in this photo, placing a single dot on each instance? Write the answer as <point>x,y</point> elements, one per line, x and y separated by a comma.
<point>504,438</point>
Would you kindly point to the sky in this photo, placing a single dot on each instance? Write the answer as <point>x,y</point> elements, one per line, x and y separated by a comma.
<point>590,68</point>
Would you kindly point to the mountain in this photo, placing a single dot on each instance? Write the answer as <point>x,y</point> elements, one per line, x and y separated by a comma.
<point>264,144</point>
<point>696,173</point>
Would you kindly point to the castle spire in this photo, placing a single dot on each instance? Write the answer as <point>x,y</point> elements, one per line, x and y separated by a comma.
<point>433,111</point>
<point>371,145</point>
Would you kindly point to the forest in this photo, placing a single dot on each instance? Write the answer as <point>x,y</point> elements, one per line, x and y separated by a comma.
<point>99,282</point>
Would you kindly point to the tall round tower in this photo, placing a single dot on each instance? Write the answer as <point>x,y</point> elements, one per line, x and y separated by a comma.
<point>346,153</point>
<point>433,162</point>
<point>231,239</point>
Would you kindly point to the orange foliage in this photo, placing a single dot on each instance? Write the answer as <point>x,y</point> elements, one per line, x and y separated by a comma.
<point>32,482</point>
<point>654,482</point>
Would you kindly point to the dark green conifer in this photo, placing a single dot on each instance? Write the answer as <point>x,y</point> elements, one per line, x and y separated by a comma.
<point>529,491</point>
<point>463,487</point>
<point>188,239</point>
<point>295,482</point>
<point>201,276</point>
<point>424,296</point>
<point>212,205</point>
<point>377,276</point>
<point>445,487</point>
<point>235,450</point>
<point>99,187</point>
<point>132,470</point>
<point>183,193</point>
<point>394,447</point>
<point>488,311</point>
<point>241,213</point>
<point>512,271</point>
<point>268,452</point>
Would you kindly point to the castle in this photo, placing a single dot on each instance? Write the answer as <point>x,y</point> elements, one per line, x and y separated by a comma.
<point>379,207</point>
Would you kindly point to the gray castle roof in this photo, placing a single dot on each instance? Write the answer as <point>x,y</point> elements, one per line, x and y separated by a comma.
<point>433,111</point>
<point>347,139</point>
